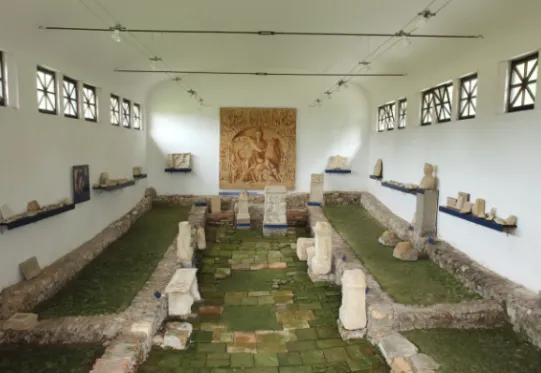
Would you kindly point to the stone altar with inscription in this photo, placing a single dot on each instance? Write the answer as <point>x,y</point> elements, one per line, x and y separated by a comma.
<point>275,218</point>
<point>243,214</point>
<point>321,262</point>
<point>337,162</point>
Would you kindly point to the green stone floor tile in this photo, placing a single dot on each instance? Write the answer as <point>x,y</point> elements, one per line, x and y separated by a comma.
<point>289,358</point>
<point>266,359</point>
<point>313,357</point>
<point>242,360</point>
<point>250,318</point>
<point>306,334</point>
<point>335,354</point>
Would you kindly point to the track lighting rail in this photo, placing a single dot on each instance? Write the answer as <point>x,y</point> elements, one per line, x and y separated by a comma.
<point>251,73</point>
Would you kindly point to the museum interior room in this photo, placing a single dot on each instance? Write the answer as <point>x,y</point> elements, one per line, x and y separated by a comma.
<point>270,186</point>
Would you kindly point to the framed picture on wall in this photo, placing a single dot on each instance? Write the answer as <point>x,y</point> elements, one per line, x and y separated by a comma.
<point>81,183</point>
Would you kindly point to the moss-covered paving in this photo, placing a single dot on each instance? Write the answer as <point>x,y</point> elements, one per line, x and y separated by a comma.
<point>48,359</point>
<point>421,282</point>
<point>477,351</point>
<point>265,316</point>
<point>110,282</point>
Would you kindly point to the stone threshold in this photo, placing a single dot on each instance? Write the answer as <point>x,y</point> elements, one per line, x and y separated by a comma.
<point>25,295</point>
<point>520,304</point>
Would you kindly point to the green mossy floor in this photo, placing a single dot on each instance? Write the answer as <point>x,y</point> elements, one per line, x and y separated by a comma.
<point>477,351</point>
<point>421,282</point>
<point>247,323</point>
<point>110,282</point>
<point>46,359</point>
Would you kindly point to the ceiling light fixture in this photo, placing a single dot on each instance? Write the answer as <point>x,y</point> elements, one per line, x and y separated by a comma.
<point>153,61</point>
<point>116,29</point>
<point>341,83</point>
<point>329,94</point>
<point>404,36</point>
<point>424,16</point>
<point>366,65</point>
<point>318,102</point>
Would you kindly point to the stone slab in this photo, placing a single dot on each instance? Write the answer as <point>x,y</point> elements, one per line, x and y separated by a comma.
<point>177,335</point>
<point>396,345</point>
<point>21,321</point>
<point>30,268</point>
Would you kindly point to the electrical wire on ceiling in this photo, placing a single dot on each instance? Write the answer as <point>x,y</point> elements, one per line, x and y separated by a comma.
<point>143,49</point>
<point>385,46</point>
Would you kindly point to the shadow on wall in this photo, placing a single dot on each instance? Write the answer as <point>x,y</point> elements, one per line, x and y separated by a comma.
<point>178,124</point>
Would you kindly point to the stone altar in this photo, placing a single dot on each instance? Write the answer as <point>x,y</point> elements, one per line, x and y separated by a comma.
<point>243,215</point>
<point>316,190</point>
<point>182,291</point>
<point>275,217</point>
<point>321,263</point>
<point>353,310</point>
<point>184,244</point>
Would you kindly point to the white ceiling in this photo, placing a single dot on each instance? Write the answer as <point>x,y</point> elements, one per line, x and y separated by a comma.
<point>257,53</point>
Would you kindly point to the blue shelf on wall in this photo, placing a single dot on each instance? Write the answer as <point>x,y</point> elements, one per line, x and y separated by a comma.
<point>177,170</point>
<point>142,176</point>
<point>35,218</point>
<point>479,221</point>
<point>201,204</point>
<point>376,177</point>
<point>314,203</point>
<point>400,188</point>
<point>235,194</point>
<point>110,188</point>
<point>337,171</point>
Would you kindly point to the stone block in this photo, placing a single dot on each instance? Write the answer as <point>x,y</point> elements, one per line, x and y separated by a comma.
<point>405,251</point>
<point>5,212</point>
<point>33,206</point>
<point>30,268</point>
<point>275,205</point>
<point>426,213</point>
<point>422,363</point>
<point>321,263</point>
<point>184,242</point>
<point>389,238</point>
<point>353,310</point>
<point>177,335</point>
<point>302,244</point>
<point>215,204</point>
<point>317,188</point>
<point>401,365</point>
<point>21,322</point>
<point>395,345</point>
<point>201,239</point>
<point>182,291</point>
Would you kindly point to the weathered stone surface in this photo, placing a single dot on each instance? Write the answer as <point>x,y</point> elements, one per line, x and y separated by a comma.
<point>353,309</point>
<point>401,365</point>
<point>275,205</point>
<point>30,268</point>
<point>396,345</point>
<point>302,244</point>
<point>5,212</point>
<point>405,251</point>
<point>388,238</point>
<point>184,242</point>
<point>150,192</point>
<point>215,204</point>
<point>321,263</point>
<point>177,335</point>
<point>182,291</point>
<point>26,295</point>
<point>422,363</point>
<point>316,188</point>
<point>224,218</point>
<point>21,321</point>
<point>342,198</point>
<point>201,239</point>
<point>337,162</point>
<point>378,168</point>
<point>428,181</point>
<point>33,206</point>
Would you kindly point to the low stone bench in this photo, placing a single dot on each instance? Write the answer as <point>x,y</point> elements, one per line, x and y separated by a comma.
<point>182,291</point>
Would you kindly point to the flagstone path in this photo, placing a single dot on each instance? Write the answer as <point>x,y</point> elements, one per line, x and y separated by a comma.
<point>262,313</point>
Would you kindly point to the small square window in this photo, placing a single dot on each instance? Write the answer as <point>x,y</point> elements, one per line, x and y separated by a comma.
<point>2,80</point>
<point>46,85</point>
<point>467,107</point>
<point>90,105</point>
<point>523,83</point>
<point>126,113</point>
<point>115,110</point>
<point>386,117</point>
<point>402,113</point>
<point>136,116</point>
<point>71,98</point>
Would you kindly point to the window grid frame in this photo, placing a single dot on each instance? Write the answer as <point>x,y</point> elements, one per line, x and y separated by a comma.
<point>443,96</point>
<point>512,67</point>
<point>429,108</point>
<point>44,90</point>
<point>381,120</point>
<point>390,118</point>
<point>69,100</point>
<point>470,96</point>
<point>137,117</point>
<point>402,114</point>
<point>3,86</point>
<point>126,115</point>
<point>87,104</point>
<point>115,113</point>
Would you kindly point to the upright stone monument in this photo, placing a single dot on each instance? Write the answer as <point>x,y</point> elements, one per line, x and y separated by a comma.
<point>201,238</point>
<point>184,244</point>
<point>216,204</point>
<point>426,213</point>
<point>321,263</point>
<point>316,190</point>
<point>353,310</point>
<point>275,218</point>
<point>243,214</point>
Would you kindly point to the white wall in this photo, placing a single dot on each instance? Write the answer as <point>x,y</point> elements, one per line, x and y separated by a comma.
<point>494,156</point>
<point>38,150</point>
<point>179,125</point>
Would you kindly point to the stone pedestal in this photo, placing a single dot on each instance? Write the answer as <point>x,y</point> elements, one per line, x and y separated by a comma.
<point>182,291</point>
<point>184,243</point>
<point>201,239</point>
<point>321,263</point>
<point>353,309</point>
<point>275,217</point>
<point>243,214</point>
<point>426,213</point>
<point>316,190</point>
